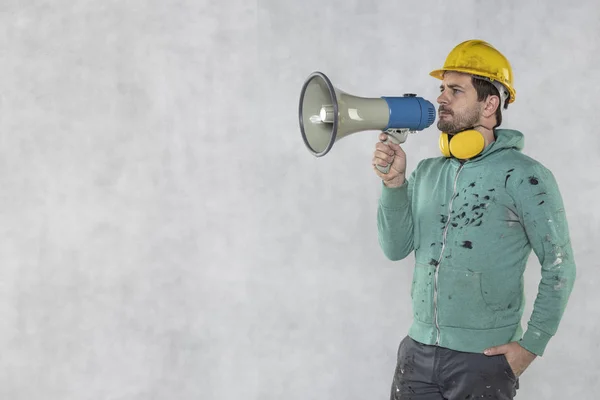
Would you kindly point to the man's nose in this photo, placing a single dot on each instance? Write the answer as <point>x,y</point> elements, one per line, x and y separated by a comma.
<point>442,98</point>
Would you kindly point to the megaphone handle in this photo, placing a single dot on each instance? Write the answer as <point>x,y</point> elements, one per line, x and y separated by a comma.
<point>391,137</point>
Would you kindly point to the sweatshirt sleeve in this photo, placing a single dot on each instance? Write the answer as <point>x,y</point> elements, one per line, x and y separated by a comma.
<point>546,227</point>
<point>394,220</point>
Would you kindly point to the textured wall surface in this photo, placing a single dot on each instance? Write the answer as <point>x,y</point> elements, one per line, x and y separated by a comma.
<point>165,234</point>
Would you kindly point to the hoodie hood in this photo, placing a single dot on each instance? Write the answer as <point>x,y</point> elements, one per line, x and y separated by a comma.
<point>505,139</point>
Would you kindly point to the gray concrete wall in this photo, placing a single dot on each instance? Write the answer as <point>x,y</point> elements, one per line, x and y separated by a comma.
<point>164,234</point>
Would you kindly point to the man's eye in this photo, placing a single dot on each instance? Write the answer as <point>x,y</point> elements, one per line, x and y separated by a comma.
<point>454,90</point>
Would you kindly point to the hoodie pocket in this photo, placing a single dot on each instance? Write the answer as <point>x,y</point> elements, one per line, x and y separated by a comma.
<point>422,291</point>
<point>501,291</point>
<point>460,300</point>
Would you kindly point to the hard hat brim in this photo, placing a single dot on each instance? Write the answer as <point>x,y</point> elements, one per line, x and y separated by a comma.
<point>439,74</point>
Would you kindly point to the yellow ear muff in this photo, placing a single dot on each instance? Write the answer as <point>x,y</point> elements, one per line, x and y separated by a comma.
<point>467,144</point>
<point>444,145</point>
<point>463,145</point>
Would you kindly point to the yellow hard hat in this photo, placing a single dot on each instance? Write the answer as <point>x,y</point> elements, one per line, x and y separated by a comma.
<point>480,58</point>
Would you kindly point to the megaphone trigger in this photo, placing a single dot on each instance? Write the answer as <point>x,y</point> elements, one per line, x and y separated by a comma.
<point>396,136</point>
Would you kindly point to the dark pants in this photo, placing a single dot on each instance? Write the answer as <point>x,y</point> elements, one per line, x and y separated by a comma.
<point>435,373</point>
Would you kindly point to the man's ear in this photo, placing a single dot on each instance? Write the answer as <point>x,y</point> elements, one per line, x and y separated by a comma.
<point>491,105</point>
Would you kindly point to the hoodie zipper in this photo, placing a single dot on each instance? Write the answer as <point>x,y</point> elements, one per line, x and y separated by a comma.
<point>437,267</point>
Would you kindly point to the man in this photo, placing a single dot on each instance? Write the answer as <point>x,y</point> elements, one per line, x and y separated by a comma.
<point>472,217</point>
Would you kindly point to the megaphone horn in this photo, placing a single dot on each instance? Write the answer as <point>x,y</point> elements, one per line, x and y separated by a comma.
<point>328,114</point>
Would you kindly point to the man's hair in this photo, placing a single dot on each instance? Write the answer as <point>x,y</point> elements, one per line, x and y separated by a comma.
<point>485,89</point>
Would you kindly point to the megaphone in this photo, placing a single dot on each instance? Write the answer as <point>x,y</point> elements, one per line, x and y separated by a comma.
<point>328,114</point>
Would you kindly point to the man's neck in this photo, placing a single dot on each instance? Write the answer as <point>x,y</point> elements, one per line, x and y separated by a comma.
<point>488,134</point>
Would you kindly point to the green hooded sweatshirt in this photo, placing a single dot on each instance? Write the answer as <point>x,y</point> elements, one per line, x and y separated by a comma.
<point>472,227</point>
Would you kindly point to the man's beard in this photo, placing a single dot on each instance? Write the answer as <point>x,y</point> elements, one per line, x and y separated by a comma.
<point>459,122</point>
